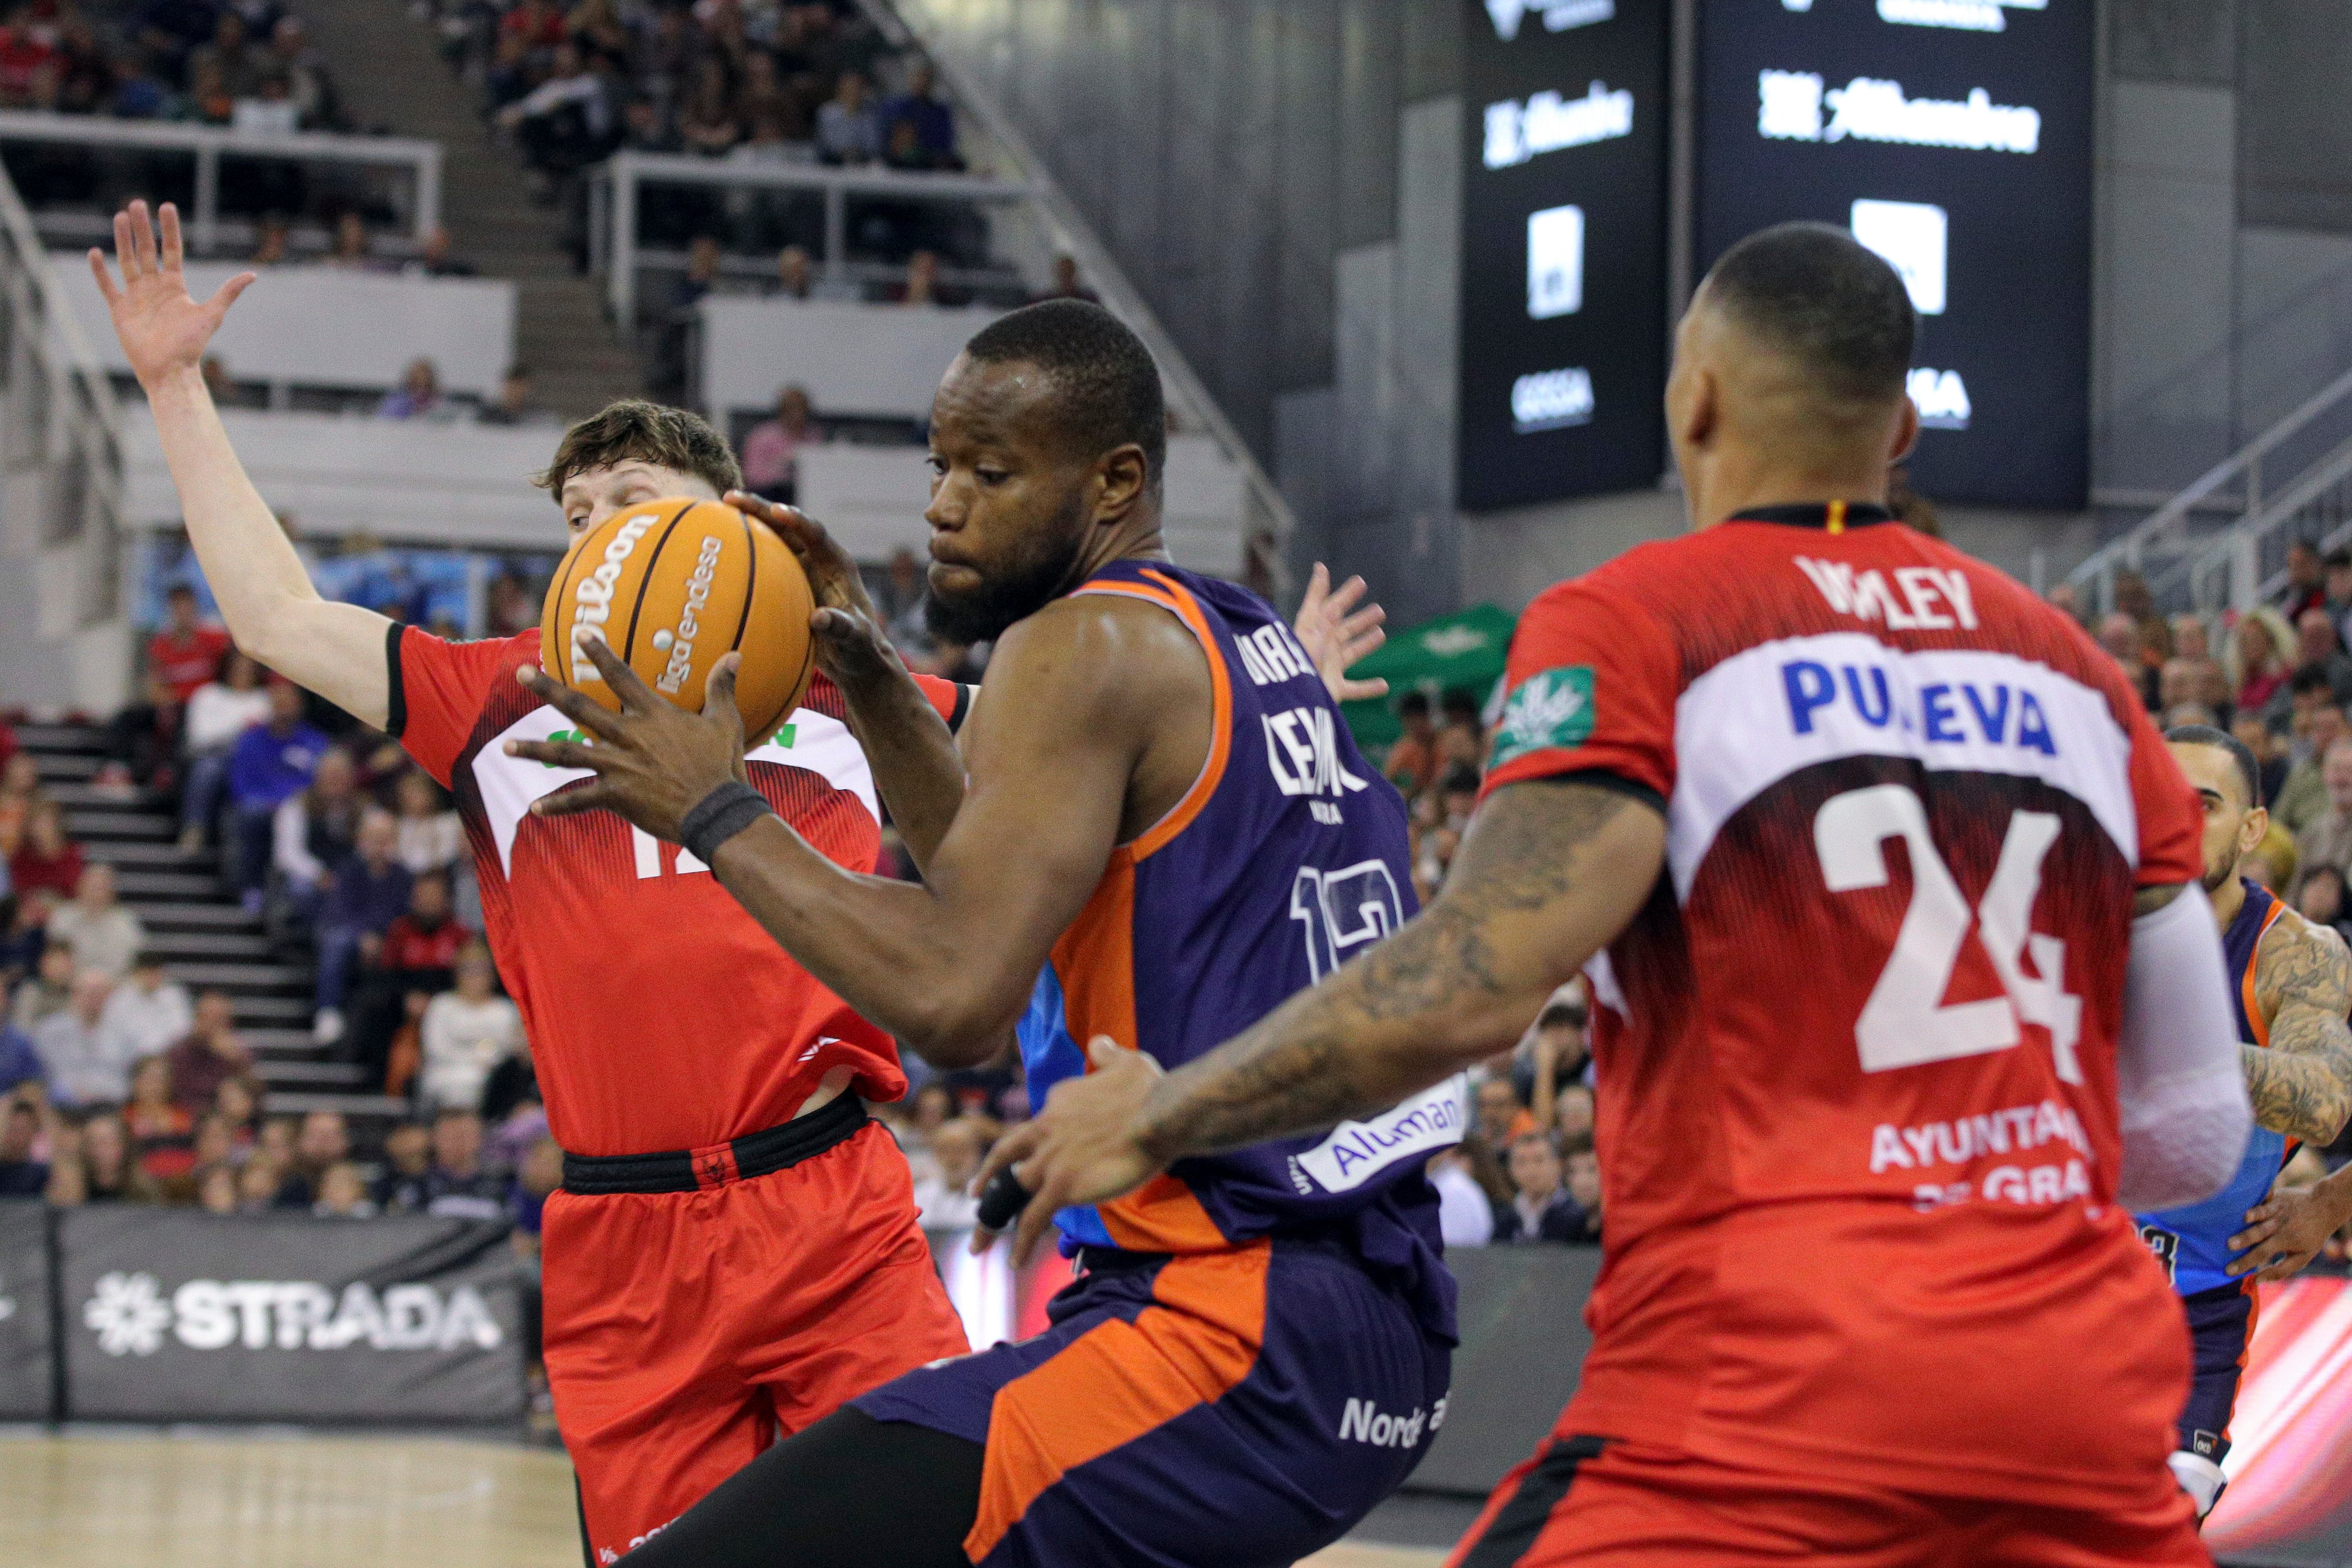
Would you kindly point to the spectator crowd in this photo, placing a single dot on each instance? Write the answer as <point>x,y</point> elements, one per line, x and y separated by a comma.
<point>117,1084</point>
<point>246,63</point>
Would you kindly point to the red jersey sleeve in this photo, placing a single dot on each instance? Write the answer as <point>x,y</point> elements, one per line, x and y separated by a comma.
<point>1591,686</point>
<point>952,699</point>
<point>2171,818</point>
<point>436,692</point>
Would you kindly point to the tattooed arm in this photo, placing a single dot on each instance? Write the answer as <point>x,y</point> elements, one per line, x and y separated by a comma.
<point>1551,871</point>
<point>2301,1084</point>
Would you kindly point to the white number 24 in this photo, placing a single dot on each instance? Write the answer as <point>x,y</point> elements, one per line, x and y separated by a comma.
<point>1905,1022</point>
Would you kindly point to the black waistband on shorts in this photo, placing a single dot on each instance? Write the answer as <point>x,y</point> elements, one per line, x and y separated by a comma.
<point>715,1165</point>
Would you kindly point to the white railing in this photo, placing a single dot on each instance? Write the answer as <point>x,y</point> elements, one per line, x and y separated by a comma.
<point>615,193</point>
<point>2162,544</point>
<point>63,639</point>
<point>2247,565</point>
<point>209,144</point>
<point>1271,522</point>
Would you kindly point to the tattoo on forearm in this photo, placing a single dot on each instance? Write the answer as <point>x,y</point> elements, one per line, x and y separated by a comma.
<point>2301,1085</point>
<point>1315,1061</point>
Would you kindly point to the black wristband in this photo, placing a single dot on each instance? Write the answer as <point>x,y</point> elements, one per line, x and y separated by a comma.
<point>718,817</point>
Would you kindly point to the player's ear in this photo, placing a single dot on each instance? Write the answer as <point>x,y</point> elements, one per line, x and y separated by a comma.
<point>1907,431</point>
<point>1121,478</point>
<point>2253,829</point>
<point>1702,407</point>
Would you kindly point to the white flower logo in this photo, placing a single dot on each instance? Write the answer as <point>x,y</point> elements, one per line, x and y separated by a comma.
<point>129,1315</point>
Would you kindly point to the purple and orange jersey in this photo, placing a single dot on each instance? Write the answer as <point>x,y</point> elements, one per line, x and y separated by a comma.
<point>1288,856</point>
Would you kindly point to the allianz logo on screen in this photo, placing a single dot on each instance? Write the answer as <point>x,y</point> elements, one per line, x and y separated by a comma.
<point>1547,122</point>
<point>1558,16</point>
<point>1551,400</point>
<point>1555,262</point>
<point>1974,16</point>
<point>1942,397</point>
<point>1789,105</point>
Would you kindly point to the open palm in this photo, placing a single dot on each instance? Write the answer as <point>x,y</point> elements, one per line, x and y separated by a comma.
<point>163,328</point>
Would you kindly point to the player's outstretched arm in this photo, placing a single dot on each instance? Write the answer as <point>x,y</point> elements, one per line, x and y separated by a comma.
<point>1551,871</point>
<point>2301,1084</point>
<point>265,595</point>
<point>1079,691</point>
<point>916,768</point>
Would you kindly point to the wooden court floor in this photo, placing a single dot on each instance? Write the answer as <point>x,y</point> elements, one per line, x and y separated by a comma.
<point>299,1501</point>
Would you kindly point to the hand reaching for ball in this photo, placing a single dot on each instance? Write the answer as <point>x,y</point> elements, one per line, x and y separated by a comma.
<point>851,647</point>
<point>654,761</point>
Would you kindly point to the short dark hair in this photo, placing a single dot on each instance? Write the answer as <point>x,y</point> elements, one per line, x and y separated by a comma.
<point>2311,678</point>
<point>2337,558</point>
<point>1415,701</point>
<point>1562,1015</point>
<point>1457,701</point>
<point>2250,775</point>
<point>1460,779</point>
<point>1106,380</point>
<point>1827,300</point>
<point>635,431</point>
<point>179,591</point>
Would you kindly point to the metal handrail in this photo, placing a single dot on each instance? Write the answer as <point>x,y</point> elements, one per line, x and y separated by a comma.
<point>209,144</point>
<point>2234,557</point>
<point>65,426</point>
<point>2099,567</point>
<point>613,226</point>
<point>1075,235</point>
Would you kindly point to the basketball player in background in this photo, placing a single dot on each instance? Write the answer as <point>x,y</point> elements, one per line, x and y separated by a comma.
<point>1166,816</point>
<point>2290,982</point>
<point>735,1249</point>
<point>1907,989</point>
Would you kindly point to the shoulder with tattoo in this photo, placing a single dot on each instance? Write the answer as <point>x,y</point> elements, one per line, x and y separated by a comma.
<point>2302,1084</point>
<point>2302,964</point>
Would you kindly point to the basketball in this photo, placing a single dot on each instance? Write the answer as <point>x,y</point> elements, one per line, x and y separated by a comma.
<point>673,585</point>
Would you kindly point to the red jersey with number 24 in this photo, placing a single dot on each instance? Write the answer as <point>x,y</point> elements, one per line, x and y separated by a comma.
<point>1856,1055</point>
<point>661,1016</point>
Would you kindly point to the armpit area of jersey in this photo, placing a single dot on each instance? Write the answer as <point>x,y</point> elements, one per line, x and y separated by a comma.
<point>1603,779</point>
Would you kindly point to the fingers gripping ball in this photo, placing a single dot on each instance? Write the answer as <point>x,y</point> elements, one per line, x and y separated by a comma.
<point>672,585</point>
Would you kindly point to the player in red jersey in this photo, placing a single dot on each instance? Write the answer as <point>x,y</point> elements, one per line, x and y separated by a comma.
<point>1907,992</point>
<point>769,1265</point>
<point>735,1251</point>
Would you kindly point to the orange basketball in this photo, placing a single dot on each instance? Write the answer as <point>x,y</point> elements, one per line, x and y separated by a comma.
<point>673,585</point>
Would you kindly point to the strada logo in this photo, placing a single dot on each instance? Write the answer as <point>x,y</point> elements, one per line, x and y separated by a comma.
<point>130,1317</point>
<point>1558,16</point>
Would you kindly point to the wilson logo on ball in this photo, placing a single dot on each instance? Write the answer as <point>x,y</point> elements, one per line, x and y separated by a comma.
<point>673,586</point>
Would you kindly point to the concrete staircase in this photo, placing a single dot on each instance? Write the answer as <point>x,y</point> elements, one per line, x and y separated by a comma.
<point>193,920</point>
<point>391,75</point>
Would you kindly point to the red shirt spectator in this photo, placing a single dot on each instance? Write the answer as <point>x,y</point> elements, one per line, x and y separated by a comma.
<point>186,652</point>
<point>25,51</point>
<point>412,944</point>
<point>209,1055</point>
<point>46,859</point>
<point>540,25</point>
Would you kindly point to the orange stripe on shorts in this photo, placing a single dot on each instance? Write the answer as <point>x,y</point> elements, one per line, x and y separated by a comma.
<point>1119,1380</point>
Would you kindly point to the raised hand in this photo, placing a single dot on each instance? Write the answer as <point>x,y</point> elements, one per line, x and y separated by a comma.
<point>1334,638</point>
<point>851,647</point>
<point>163,328</point>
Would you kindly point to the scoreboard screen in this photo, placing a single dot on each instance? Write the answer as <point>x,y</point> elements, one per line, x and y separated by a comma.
<point>1953,137</point>
<point>1564,249</point>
